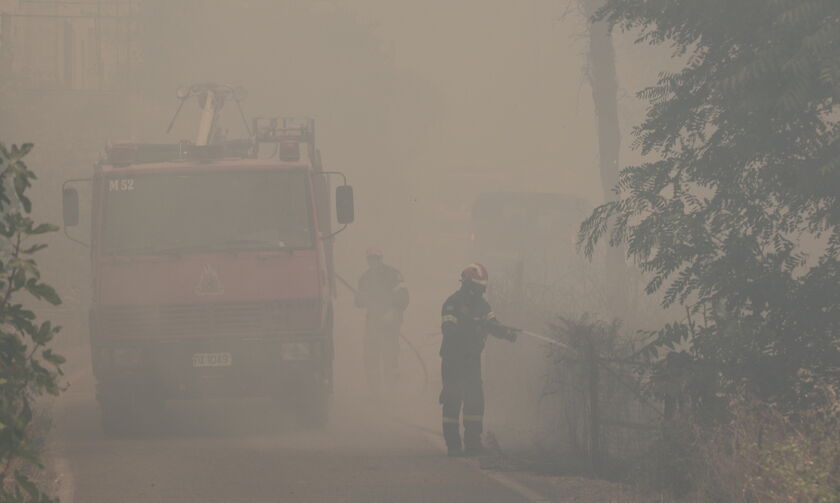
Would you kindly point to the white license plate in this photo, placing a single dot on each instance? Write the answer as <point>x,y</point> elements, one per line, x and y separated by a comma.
<point>212,360</point>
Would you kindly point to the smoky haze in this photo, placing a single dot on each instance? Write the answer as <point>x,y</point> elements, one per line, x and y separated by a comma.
<point>423,105</point>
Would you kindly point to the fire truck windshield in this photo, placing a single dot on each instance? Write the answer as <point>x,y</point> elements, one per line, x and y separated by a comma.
<point>215,211</point>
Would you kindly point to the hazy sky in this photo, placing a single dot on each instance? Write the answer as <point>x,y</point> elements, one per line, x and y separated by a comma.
<point>511,77</point>
<point>492,87</point>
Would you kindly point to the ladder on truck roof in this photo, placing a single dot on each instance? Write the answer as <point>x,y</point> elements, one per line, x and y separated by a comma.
<point>211,99</point>
<point>287,133</point>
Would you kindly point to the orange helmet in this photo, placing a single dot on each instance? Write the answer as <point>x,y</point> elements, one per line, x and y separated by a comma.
<point>374,252</point>
<point>475,273</point>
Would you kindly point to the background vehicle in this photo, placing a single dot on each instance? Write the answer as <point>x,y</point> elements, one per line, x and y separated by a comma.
<point>528,242</point>
<point>212,268</point>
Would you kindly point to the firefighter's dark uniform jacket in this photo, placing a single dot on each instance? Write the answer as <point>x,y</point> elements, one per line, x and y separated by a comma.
<point>467,320</point>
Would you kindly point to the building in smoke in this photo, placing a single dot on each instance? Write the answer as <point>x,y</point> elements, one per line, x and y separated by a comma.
<point>66,45</point>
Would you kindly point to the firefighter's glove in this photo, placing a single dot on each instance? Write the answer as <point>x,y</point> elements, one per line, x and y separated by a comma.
<point>511,334</point>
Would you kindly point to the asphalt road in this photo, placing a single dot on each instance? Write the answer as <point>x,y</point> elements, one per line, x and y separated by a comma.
<point>248,451</point>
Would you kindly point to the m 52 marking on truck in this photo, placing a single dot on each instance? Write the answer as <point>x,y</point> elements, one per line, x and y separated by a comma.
<point>212,267</point>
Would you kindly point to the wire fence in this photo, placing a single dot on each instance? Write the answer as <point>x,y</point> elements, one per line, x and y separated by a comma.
<point>616,421</point>
<point>599,412</point>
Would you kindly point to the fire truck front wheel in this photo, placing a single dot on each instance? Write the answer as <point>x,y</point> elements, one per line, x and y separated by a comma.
<point>127,411</point>
<point>313,406</point>
<point>305,396</point>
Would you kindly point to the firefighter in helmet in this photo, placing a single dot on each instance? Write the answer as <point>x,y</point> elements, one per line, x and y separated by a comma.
<point>382,294</point>
<point>467,321</point>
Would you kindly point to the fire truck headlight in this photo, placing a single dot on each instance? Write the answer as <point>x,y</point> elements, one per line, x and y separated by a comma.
<point>296,351</point>
<point>126,357</point>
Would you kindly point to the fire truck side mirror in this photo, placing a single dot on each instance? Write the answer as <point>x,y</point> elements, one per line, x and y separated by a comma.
<point>344,210</point>
<point>70,207</point>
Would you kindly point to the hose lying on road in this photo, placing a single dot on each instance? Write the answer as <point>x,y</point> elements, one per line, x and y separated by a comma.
<point>402,336</point>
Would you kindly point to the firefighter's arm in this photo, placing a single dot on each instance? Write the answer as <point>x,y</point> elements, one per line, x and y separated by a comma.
<point>399,293</point>
<point>499,331</point>
<point>400,299</point>
<point>449,320</point>
<point>359,299</point>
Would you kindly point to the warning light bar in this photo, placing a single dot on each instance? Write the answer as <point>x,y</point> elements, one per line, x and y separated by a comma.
<point>127,153</point>
<point>283,129</point>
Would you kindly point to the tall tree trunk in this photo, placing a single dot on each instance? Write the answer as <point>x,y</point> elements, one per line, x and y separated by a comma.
<point>602,80</point>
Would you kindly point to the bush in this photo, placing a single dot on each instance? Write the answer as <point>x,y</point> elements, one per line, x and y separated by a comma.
<point>761,455</point>
<point>595,359</point>
<point>28,368</point>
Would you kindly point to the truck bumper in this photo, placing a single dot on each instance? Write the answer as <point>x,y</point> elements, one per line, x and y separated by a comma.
<point>173,369</point>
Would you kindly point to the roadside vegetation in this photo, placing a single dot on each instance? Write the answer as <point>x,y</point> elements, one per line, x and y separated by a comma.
<point>734,217</point>
<point>28,367</point>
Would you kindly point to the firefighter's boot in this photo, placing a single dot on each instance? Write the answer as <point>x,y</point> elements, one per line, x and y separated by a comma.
<point>452,436</point>
<point>472,436</point>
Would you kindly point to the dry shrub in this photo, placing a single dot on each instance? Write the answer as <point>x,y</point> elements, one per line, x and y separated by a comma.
<point>760,455</point>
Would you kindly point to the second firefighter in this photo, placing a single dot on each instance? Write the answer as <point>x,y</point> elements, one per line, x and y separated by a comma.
<point>382,293</point>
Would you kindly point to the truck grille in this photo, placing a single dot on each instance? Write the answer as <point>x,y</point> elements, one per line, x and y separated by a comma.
<point>209,320</point>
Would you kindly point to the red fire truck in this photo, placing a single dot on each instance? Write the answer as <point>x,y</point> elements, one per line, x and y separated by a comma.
<point>212,268</point>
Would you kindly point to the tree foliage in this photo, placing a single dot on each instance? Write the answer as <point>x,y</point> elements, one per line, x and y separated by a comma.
<point>28,368</point>
<point>736,213</point>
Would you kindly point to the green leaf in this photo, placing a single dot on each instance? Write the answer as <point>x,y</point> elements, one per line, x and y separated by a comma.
<point>44,333</point>
<point>21,185</point>
<point>44,228</point>
<point>53,358</point>
<point>18,279</point>
<point>33,249</point>
<point>23,150</point>
<point>45,292</point>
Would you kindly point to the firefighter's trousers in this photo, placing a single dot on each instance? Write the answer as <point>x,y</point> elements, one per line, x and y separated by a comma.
<point>462,387</point>
<point>382,349</point>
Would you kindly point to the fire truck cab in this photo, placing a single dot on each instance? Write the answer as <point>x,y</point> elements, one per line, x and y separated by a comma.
<point>212,272</point>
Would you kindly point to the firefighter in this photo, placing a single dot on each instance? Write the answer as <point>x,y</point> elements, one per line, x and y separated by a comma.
<point>467,320</point>
<point>382,294</point>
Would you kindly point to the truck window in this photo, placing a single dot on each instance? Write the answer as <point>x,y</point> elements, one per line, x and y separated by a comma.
<point>243,210</point>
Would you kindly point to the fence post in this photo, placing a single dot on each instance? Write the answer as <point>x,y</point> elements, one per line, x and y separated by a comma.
<point>594,409</point>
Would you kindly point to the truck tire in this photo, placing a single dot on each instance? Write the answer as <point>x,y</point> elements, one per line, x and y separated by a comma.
<point>130,412</point>
<point>116,419</point>
<point>313,407</point>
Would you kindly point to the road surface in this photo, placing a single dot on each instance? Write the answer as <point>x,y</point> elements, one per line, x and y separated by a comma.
<point>247,451</point>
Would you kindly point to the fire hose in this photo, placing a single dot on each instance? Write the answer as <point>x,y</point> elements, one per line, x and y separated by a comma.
<point>533,335</point>
<point>402,336</point>
<point>545,338</point>
<point>527,333</point>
